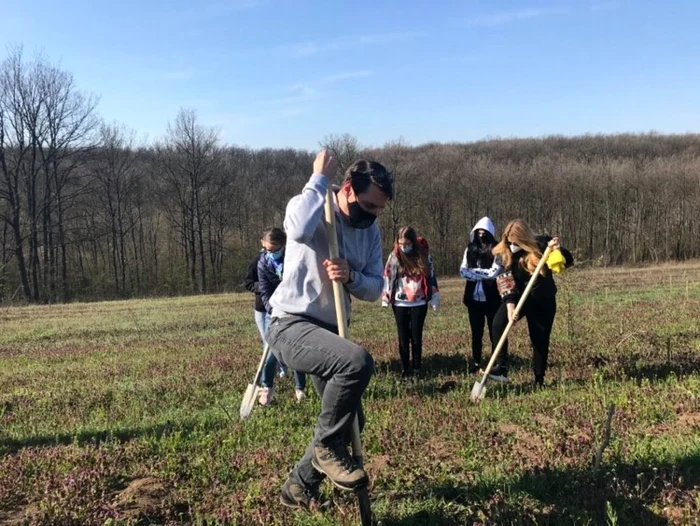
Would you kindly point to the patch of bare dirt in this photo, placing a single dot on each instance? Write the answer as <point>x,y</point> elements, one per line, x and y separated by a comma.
<point>18,516</point>
<point>376,465</point>
<point>142,497</point>
<point>685,424</point>
<point>527,445</point>
<point>690,421</point>
<point>510,429</point>
<point>441,450</point>
<point>545,421</point>
<point>377,468</point>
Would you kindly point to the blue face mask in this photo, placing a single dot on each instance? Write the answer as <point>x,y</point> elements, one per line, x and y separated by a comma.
<point>276,255</point>
<point>407,249</point>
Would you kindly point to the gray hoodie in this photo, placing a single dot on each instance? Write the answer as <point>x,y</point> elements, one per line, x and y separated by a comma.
<point>306,289</point>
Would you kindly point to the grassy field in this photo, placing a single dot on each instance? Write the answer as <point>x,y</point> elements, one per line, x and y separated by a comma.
<point>126,412</point>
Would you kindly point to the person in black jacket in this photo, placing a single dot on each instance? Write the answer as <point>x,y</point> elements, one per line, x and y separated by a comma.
<point>252,285</point>
<point>270,271</point>
<point>481,298</point>
<point>519,251</point>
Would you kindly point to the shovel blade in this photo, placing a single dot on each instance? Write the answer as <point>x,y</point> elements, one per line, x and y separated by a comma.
<point>248,401</point>
<point>478,392</point>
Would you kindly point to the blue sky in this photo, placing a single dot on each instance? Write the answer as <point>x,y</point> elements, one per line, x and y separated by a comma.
<point>288,72</point>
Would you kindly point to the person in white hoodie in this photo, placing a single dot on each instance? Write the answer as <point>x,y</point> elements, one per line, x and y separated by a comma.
<point>480,269</point>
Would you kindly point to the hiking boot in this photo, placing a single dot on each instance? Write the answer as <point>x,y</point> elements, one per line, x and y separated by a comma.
<point>499,373</point>
<point>338,466</point>
<point>539,381</point>
<point>265,397</point>
<point>299,395</point>
<point>295,496</point>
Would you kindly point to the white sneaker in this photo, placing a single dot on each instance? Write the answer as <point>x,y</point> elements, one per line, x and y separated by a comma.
<point>299,395</point>
<point>499,374</point>
<point>265,397</point>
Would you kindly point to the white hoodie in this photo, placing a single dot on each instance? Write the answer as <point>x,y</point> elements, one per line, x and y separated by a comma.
<point>484,223</point>
<point>478,274</point>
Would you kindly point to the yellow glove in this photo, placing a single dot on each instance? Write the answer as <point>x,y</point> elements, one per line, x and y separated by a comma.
<point>556,261</point>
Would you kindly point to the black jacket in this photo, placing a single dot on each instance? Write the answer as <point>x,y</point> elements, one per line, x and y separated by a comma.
<point>544,287</point>
<point>475,259</point>
<point>268,281</point>
<point>251,281</point>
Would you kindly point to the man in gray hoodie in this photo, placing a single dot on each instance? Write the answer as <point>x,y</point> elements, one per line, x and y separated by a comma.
<point>303,330</point>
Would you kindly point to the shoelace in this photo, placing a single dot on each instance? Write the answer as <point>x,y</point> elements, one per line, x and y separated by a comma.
<point>345,461</point>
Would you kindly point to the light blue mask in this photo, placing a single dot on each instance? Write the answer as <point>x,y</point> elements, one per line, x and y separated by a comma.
<point>407,249</point>
<point>275,255</point>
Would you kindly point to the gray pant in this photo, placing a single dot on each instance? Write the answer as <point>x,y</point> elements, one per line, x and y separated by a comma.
<point>340,371</point>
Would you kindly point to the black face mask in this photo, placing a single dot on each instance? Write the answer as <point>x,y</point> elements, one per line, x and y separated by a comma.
<point>358,217</point>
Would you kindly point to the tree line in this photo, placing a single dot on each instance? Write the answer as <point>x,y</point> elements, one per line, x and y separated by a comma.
<point>86,212</point>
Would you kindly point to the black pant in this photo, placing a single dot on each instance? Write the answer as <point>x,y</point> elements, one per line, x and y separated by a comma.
<point>478,312</point>
<point>409,322</point>
<point>540,318</point>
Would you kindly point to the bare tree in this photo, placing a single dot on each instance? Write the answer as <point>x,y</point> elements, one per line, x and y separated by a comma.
<point>188,160</point>
<point>344,148</point>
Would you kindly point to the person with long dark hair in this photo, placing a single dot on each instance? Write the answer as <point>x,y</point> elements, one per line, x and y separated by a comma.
<point>480,269</point>
<point>410,285</point>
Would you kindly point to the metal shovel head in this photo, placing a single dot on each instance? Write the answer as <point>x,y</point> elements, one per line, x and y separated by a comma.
<point>248,401</point>
<point>478,392</point>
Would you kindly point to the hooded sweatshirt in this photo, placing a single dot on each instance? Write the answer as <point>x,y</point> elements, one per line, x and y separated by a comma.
<point>306,289</point>
<point>483,278</point>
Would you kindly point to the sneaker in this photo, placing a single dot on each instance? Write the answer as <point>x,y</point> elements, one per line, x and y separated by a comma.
<point>417,373</point>
<point>299,395</point>
<point>265,397</point>
<point>539,381</point>
<point>406,374</point>
<point>499,373</point>
<point>475,367</point>
<point>338,466</point>
<point>295,496</point>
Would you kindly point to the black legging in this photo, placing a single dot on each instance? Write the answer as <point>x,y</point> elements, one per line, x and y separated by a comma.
<point>409,322</point>
<point>540,318</point>
<point>478,312</point>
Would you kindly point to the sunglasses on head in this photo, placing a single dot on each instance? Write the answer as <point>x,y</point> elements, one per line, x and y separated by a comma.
<point>382,179</point>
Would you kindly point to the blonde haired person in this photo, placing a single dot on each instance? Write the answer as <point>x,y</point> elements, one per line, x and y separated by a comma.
<point>520,251</point>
